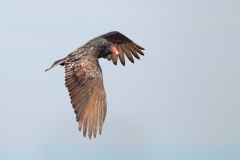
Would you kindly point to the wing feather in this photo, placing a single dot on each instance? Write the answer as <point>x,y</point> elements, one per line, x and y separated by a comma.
<point>101,119</point>
<point>121,54</point>
<point>83,80</point>
<point>95,116</point>
<point>138,49</point>
<point>109,57</point>
<point>134,52</point>
<point>114,58</point>
<point>127,52</point>
<point>85,125</point>
<point>124,44</point>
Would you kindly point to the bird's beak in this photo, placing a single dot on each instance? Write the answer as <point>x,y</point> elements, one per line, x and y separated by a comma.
<point>116,52</point>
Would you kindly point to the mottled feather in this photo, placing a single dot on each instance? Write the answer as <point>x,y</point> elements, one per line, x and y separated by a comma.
<point>85,85</point>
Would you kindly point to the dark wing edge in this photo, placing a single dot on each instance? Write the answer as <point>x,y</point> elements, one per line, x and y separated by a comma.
<point>125,46</point>
<point>56,63</point>
<point>88,99</point>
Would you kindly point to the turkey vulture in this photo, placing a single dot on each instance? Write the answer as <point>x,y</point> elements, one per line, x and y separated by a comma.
<point>84,81</point>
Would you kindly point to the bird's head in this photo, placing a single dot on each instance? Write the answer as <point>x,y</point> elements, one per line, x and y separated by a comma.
<point>104,48</point>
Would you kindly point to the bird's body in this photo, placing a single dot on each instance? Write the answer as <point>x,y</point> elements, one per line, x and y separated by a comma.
<point>84,81</point>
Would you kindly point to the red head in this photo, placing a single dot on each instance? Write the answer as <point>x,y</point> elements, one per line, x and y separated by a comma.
<point>113,49</point>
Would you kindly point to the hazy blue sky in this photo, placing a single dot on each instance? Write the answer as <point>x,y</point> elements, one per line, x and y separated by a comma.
<point>181,101</point>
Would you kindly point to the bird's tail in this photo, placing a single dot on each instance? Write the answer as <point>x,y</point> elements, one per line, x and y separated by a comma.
<point>58,62</point>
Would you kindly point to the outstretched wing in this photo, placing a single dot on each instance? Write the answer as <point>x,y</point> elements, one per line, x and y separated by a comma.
<point>83,79</point>
<point>125,47</point>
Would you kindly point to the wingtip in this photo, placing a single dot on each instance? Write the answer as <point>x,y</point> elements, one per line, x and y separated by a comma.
<point>84,135</point>
<point>115,63</point>
<point>131,60</point>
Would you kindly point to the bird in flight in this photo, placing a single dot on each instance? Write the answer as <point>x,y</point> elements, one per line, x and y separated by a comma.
<point>84,81</point>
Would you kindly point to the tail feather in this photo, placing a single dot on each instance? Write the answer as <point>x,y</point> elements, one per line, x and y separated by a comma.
<point>56,63</point>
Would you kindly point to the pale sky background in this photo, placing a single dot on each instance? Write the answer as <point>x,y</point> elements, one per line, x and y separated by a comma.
<point>181,101</point>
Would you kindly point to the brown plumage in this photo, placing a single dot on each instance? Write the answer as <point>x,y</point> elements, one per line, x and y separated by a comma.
<point>84,81</point>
